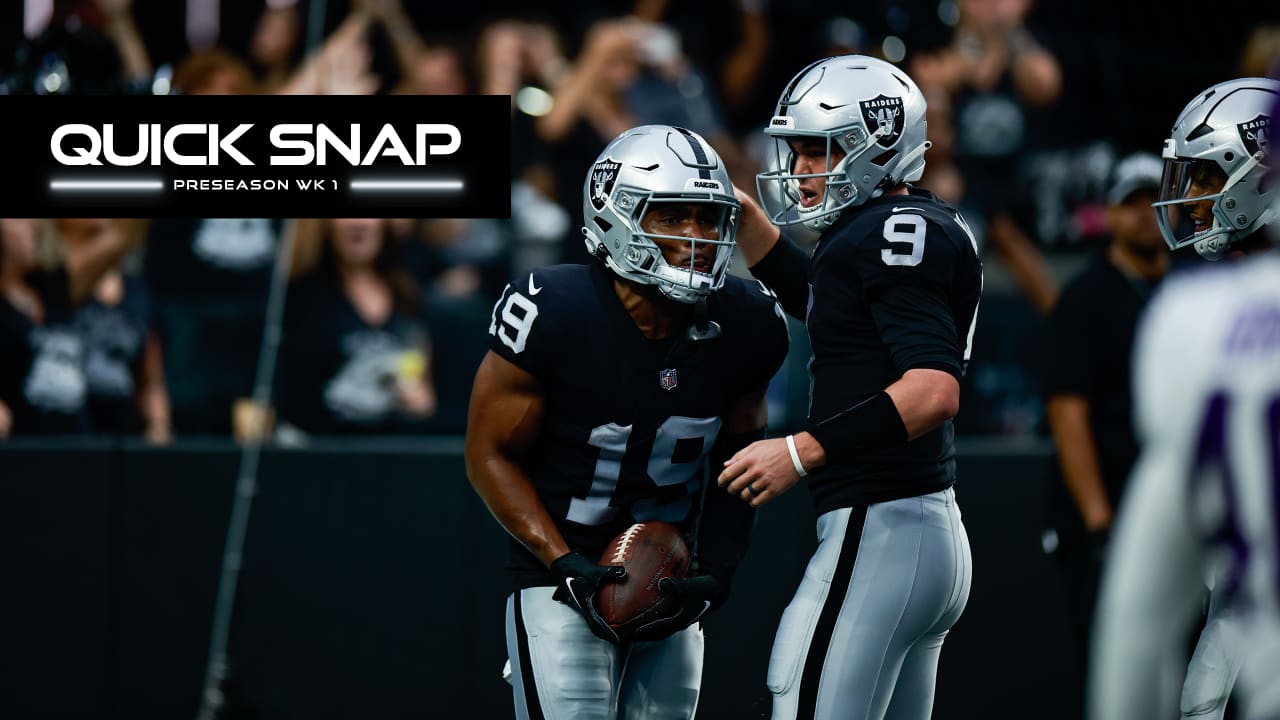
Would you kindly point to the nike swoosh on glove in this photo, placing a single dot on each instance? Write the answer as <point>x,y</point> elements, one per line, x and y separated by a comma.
<point>697,595</point>
<point>580,582</point>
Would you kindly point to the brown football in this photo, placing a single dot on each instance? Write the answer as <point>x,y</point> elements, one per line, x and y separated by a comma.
<point>649,551</point>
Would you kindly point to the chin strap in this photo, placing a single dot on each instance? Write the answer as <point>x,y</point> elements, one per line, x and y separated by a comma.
<point>703,327</point>
<point>1213,248</point>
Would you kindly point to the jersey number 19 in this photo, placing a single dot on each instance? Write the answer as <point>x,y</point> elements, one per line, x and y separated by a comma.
<point>663,468</point>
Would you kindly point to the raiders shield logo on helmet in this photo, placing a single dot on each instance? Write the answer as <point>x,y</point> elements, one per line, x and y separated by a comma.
<point>603,175</point>
<point>1256,134</point>
<point>883,112</point>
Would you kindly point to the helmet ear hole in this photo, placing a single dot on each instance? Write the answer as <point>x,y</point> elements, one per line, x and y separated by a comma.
<point>1229,156</point>
<point>884,158</point>
<point>640,260</point>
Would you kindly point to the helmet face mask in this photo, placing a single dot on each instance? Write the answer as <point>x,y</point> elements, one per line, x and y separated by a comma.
<point>871,118</point>
<point>642,259</point>
<point>839,192</point>
<point>1216,154</point>
<point>641,171</point>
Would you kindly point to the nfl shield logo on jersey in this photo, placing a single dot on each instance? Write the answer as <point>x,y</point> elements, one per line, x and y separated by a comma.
<point>667,379</point>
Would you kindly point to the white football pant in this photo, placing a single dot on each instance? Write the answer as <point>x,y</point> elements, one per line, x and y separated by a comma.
<point>560,671</point>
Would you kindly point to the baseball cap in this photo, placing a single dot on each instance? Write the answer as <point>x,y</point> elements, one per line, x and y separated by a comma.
<point>1139,171</point>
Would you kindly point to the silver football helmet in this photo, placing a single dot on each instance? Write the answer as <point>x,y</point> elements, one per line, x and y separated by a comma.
<point>867,108</point>
<point>640,169</point>
<point>1274,180</point>
<point>1221,137</point>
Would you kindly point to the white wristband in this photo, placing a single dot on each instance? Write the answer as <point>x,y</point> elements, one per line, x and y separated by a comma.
<point>795,456</point>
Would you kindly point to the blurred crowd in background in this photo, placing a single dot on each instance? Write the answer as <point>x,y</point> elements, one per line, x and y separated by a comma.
<point>154,328</point>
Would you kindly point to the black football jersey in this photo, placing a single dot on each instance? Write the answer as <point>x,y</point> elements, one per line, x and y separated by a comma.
<point>893,285</point>
<point>628,421</point>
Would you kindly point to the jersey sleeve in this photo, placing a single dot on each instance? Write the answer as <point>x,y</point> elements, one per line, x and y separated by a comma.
<point>1166,363</point>
<point>774,340</point>
<point>1072,353</point>
<point>523,327</point>
<point>785,270</point>
<point>906,275</point>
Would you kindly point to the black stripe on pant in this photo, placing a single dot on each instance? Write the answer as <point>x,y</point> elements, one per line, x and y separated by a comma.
<point>823,630</point>
<point>526,664</point>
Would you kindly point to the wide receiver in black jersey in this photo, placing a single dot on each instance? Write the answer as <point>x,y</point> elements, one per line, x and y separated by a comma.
<point>889,297</point>
<point>607,390</point>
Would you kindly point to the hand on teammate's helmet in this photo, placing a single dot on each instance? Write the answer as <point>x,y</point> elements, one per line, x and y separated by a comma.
<point>697,595</point>
<point>580,581</point>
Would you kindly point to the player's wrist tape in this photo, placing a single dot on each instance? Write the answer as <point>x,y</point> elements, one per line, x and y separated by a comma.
<point>795,456</point>
<point>872,424</point>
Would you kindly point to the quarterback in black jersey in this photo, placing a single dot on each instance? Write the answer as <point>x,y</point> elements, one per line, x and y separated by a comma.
<point>608,392</point>
<point>889,297</point>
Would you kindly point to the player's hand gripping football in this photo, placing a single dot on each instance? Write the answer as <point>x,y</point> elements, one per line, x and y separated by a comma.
<point>580,582</point>
<point>697,596</point>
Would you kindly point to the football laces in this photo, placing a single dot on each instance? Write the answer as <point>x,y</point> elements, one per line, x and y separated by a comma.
<point>624,543</point>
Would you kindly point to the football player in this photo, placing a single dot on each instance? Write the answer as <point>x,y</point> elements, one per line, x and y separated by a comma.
<point>890,297</point>
<point>1205,494</point>
<point>606,390</point>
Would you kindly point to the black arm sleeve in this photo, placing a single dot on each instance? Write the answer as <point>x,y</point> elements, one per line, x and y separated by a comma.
<point>724,530</point>
<point>872,424</point>
<point>786,270</point>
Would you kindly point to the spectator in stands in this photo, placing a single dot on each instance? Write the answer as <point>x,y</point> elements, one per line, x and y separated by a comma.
<point>124,360</point>
<point>524,60</point>
<point>213,72</point>
<point>940,173</point>
<point>1087,387</point>
<point>275,48</point>
<point>998,76</point>
<point>43,389</point>
<point>631,71</point>
<point>1261,54</point>
<point>425,68</point>
<point>588,108</point>
<point>118,25</point>
<point>89,47</point>
<point>210,279</point>
<point>740,71</point>
<point>460,266</point>
<point>456,259</point>
<point>210,276</point>
<point>356,353</point>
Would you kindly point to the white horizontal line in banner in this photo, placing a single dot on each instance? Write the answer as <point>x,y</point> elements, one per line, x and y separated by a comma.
<point>106,185</point>
<point>405,185</point>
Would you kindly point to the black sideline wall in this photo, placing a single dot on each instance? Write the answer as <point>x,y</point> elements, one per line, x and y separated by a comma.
<point>372,587</point>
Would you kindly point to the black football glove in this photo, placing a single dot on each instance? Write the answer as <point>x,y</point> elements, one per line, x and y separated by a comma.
<point>697,595</point>
<point>580,581</point>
